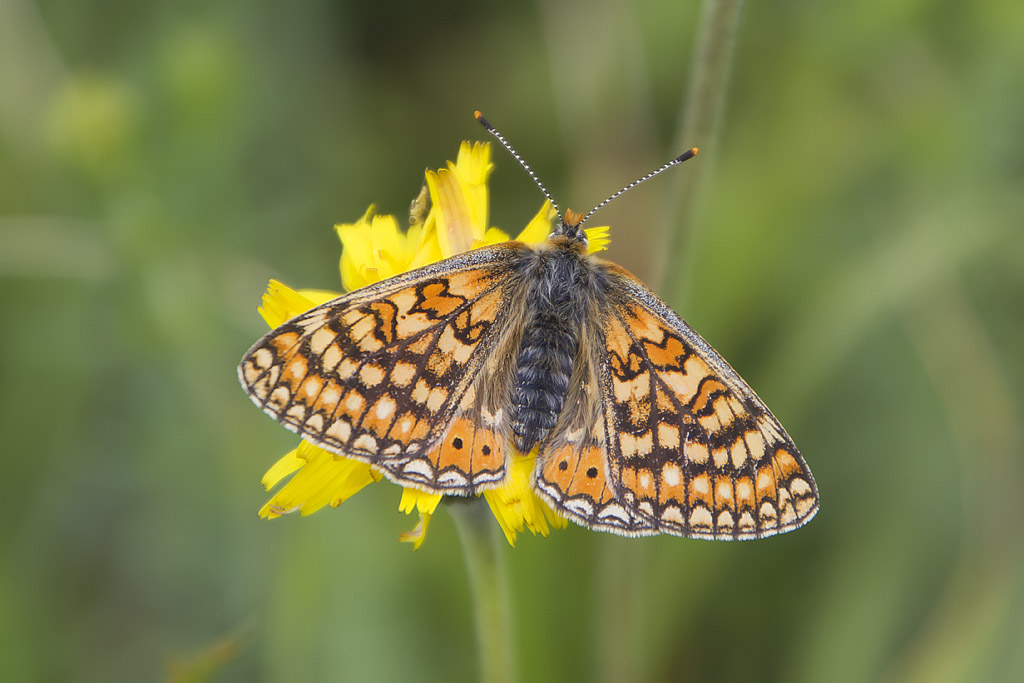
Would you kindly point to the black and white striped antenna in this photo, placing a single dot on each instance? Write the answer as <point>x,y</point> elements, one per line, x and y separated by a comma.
<point>688,154</point>
<point>515,155</point>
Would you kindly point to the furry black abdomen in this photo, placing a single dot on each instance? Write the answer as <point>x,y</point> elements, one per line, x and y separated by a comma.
<point>543,369</point>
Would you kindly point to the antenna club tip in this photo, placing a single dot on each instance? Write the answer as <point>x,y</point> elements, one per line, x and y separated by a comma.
<point>483,121</point>
<point>688,154</point>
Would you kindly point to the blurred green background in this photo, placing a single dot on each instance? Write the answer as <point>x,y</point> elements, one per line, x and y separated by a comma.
<point>855,249</point>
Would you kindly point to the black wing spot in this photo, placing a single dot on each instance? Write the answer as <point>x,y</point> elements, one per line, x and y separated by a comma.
<point>563,466</point>
<point>457,442</point>
<point>592,472</point>
<point>486,450</point>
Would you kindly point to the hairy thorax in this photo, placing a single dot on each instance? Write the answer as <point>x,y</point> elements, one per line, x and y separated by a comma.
<point>556,305</point>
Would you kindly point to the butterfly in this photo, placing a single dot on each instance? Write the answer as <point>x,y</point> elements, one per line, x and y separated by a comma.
<point>438,377</point>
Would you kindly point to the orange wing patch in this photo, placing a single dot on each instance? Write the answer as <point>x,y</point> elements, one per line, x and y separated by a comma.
<point>574,476</point>
<point>470,455</point>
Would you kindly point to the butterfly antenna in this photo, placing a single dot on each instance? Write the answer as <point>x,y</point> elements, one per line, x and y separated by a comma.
<point>688,154</point>
<point>501,138</point>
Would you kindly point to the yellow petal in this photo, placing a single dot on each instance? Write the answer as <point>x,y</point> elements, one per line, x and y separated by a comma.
<point>282,468</point>
<point>597,238</point>
<point>459,199</point>
<point>539,227</point>
<point>281,303</point>
<point>414,499</point>
<point>319,296</point>
<point>377,253</point>
<point>375,249</point>
<point>414,238</point>
<point>472,168</point>
<point>451,213</point>
<point>537,514</point>
<point>507,519</point>
<point>323,479</point>
<point>356,249</point>
<point>427,251</point>
<point>473,164</point>
<point>492,236</point>
<point>418,534</point>
<point>556,520</point>
<point>516,506</point>
<point>426,503</point>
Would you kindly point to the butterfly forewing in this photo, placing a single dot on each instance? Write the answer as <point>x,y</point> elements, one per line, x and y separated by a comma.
<point>691,446</point>
<point>391,373</point>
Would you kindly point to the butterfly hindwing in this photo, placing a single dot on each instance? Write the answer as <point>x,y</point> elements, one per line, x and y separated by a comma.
<point>691,447</point>
<point>574,477</point>
<point>471,451</point>
<point>391,373</point>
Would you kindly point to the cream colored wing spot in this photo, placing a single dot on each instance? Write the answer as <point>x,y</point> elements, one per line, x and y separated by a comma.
<point>403,373</point>
<point>385,407</point>
<point>671,474</point>
<point>700,518</point>
<point>371,375</point>
<point>320,340</point>
<point>339,431</point>
<point>315,423</point>
<point>673,514</point>
<point>453,479</point>
<point>262,358</point>
<point>418,470</point>
<point>347,368</point>
<point>330,396</point>
<point>354,403</point>
<point>421,392</point>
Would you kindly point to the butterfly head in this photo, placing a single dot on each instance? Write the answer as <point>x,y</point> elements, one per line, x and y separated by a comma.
<point>570,227</point>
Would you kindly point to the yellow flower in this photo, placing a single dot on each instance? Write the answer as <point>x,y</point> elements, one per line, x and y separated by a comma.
<point>373,248</point>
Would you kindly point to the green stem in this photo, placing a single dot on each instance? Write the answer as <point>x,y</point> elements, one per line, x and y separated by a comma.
<point>483,546</point>
<point>702,110</point>
<point>623,630</point>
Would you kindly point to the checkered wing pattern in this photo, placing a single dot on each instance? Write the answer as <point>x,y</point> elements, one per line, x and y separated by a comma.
<point>690,448</point>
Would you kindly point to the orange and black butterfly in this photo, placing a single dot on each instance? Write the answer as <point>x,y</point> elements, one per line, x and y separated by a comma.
<point>439,376</point>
